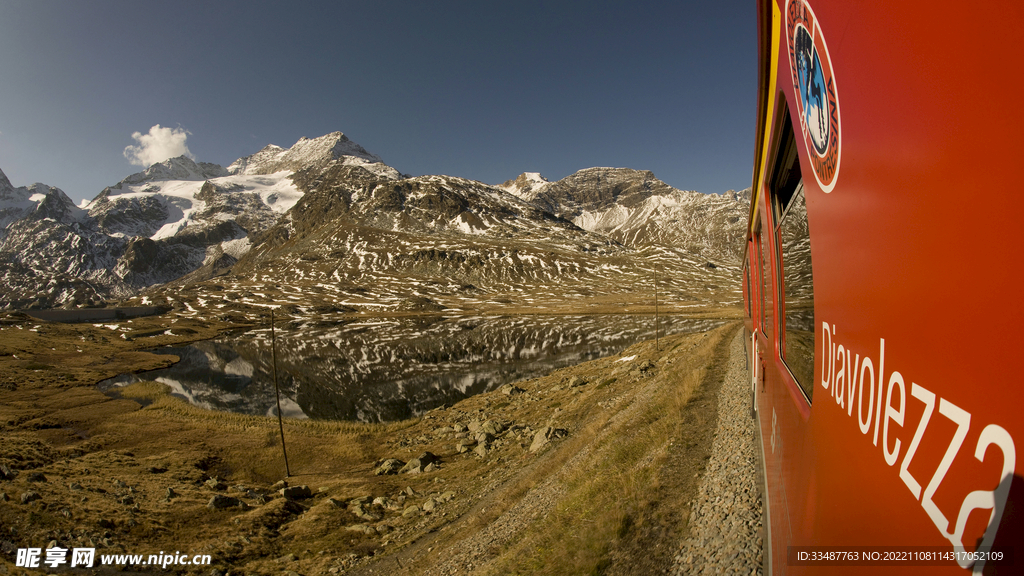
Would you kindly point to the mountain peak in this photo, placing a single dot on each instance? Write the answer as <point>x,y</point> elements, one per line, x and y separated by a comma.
<point>312,152</point>
<point>526,186</point>
<point>738,196</point>
<point>8,193</point>
<point>53,203</point>
<point>5,185</point>
<point>337,143</point>
<point>43,199</point>
<point>179,168</point>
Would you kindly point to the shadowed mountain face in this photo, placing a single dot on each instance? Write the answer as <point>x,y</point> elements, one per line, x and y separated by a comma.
<point>326,223</point>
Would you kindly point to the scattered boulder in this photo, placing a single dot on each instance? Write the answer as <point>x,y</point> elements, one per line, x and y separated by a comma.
<point>480,450</point>
<point>429,505</point>
<point>358,509</point>
<point>418,464</point>
<point>35,477</point>
<point>511,390</point>
<point>30,496</point>
<point>459,427</point>
<point>362,529</point>
<point>74,486</point>
<point>493,428</point>
<point>4,497</point>
<point>644,369</point>
<point>389,466</point>
<point>359,512</point>
<point>296,492</point>
<point>215,484</point>
<point>171,493</point>
<point>577,381</point>
<point>7,473</point>
<point>411,510</point>
<point>545,435</point>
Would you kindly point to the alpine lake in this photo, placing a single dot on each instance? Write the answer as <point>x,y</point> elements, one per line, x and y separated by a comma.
<point>390,369</point>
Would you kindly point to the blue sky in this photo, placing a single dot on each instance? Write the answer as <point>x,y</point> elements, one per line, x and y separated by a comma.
<point>482,90</point>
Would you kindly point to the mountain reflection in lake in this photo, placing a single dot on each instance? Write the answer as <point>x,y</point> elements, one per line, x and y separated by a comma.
<point>391,369</point>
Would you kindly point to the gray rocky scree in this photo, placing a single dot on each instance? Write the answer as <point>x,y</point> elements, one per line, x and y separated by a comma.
<point>726,521</point>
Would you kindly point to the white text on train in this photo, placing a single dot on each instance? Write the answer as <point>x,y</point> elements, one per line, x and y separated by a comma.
<point>851,379</point>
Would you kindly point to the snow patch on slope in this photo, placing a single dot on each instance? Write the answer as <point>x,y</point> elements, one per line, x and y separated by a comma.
<point>179,197</point>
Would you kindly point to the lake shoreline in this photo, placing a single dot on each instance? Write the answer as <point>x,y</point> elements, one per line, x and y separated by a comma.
<point>349,371</point>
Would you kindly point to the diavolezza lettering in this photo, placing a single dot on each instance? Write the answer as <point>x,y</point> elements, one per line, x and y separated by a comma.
<point>881,407</point>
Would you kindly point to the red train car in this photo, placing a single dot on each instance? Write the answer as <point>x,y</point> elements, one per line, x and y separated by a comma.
<point>884,285</point>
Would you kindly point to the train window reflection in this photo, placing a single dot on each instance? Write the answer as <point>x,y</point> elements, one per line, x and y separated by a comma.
<point>767,306</point>
<point>798,289</point>
<point>746,286</point>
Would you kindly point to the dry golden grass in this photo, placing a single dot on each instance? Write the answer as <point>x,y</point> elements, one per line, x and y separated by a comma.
<point>615,491</point>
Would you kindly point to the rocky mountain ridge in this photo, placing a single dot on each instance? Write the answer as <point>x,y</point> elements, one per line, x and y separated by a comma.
<point>636,209</point>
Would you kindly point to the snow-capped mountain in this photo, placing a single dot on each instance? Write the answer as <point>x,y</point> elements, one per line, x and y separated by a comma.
<point>313,153</point>
<point>358,241</point>
<point>170,220</point>
<point>327,225</point>
<point>49,247</point>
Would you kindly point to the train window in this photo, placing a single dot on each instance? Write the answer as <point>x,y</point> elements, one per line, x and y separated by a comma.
<point>794,241</point>
<point>766,294</point>
<point>747,288</point>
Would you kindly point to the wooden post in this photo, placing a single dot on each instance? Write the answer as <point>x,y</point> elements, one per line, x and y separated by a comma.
<point>657,343</point>
<point>277,390</point>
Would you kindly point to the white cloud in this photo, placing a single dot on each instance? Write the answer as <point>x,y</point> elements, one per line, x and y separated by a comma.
<point>159,145</point>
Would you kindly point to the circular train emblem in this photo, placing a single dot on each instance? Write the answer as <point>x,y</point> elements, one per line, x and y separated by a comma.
<point>817,102</point>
